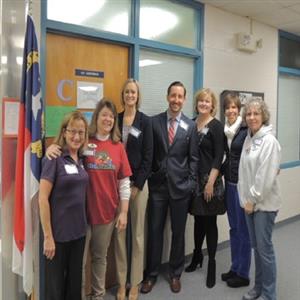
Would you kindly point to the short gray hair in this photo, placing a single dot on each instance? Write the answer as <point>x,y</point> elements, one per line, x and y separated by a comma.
<point>261,106</point>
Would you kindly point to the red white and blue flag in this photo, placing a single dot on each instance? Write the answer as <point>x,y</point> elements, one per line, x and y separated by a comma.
<point>28,162</point>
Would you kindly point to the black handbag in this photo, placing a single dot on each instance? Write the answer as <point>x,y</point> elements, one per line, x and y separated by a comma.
<point>217,203</point>
<point>216,206</point>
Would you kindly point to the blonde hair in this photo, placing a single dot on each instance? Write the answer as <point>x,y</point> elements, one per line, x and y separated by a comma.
<point>67,120</point>
<point>131,80</point>
<point>201,94</point>
<point>115,133</point>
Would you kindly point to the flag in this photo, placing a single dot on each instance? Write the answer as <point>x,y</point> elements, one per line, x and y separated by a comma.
<point>28,161</point>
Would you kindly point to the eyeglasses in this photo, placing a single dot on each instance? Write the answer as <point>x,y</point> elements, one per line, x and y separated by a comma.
<point>73,132</point>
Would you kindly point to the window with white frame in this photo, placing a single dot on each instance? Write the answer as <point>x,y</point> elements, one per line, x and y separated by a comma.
<point>289,117</point>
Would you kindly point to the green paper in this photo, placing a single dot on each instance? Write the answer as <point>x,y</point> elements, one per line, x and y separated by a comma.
<point>54,117</point>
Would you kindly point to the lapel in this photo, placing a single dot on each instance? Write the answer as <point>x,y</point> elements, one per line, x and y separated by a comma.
<point>120,120</point>
<point>164,129</point>
<point>136,123</point>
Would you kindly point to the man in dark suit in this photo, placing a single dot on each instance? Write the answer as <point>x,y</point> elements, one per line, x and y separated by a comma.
<point>171,183</point>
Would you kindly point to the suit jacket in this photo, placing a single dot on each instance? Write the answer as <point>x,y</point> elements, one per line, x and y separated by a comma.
<point>174,165</point>
<point>139,148</point>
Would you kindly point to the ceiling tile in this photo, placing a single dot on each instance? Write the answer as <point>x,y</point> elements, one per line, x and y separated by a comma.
<point>295,8</point>
<point>222,3</point>
<point>282,14</point>
<point>251,9</point>
<point>277,18</point>
<point>286,3</point>
<point>292,27</point>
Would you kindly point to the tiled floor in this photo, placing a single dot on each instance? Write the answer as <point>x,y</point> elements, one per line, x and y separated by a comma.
<point>287,247</point>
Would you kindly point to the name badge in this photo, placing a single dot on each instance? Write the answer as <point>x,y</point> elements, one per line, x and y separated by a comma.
<point>183,125</point>
<point>258,142</point>
<point>88,152</point>
<point>71,169</point>
<point>134,131</point>
<point>205,130</point>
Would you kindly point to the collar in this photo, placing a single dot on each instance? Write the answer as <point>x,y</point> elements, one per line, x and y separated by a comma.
<point>177,118</point>
<point>102,138</point>
<point>66,153</point>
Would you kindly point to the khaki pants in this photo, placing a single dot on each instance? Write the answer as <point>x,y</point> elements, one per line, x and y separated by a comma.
<point>100,237</point>
<point>137,211</point>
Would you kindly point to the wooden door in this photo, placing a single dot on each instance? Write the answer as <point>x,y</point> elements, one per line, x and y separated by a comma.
<point>70,60</point>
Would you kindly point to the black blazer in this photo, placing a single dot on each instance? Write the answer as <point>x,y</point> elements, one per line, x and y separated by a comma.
<point>139,149</point>
<point>174,165</point>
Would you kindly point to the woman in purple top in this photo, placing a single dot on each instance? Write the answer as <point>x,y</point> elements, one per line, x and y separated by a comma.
<point>62,200</point>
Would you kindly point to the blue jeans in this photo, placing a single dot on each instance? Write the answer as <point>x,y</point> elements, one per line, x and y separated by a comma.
<point>260,226</point>
<point>239,236</point>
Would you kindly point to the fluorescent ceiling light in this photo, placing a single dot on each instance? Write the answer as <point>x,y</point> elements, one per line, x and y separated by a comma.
<point>149,62</point>
<point>155,21</point>
<point>74,12</point>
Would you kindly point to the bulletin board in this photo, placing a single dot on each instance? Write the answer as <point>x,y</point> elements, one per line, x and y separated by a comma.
<point>10,117</point>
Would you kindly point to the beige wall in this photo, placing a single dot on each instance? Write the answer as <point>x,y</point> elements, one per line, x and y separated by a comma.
<point>225,67</point>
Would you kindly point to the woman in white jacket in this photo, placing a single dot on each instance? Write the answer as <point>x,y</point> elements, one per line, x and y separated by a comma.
<point>259,195</point>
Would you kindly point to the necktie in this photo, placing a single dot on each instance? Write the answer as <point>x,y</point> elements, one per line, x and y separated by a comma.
<point>171,131</point>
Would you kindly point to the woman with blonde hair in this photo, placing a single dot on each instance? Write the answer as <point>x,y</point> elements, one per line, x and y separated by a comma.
<point>62,202</point>
<point>136,135</point>
<point>208,202</point>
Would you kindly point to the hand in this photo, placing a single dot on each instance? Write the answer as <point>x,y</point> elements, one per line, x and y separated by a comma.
<point>53,151</point>
<point>134,192</point>
<point>208,191</point>
<point>249,208</point>
<point>49,247</point>
<point>121,221</point>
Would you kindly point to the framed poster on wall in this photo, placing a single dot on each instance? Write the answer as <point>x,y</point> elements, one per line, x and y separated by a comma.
<point>10,117</point>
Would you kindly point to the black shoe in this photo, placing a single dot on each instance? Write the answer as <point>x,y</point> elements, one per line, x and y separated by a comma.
<point>228,275</point>
<point>237,281</point>
<point>211,273</point>
<point>196,259</point>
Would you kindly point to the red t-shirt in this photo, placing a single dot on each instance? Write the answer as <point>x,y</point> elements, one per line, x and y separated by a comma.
<point>106,165</point>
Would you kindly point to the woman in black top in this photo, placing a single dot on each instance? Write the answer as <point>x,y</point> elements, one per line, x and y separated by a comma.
<point>236,133</point>
<point>211,152</point>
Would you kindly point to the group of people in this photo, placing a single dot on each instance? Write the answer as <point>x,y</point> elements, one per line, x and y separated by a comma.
<point>105,177</point>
